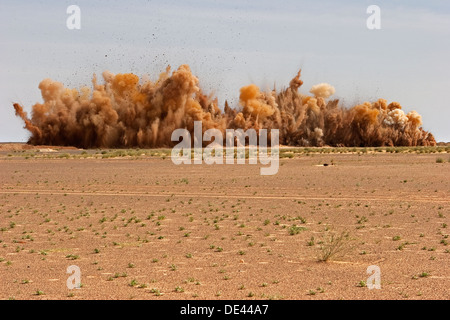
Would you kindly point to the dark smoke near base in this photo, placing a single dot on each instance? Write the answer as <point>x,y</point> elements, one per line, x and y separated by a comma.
<point>123,112</point>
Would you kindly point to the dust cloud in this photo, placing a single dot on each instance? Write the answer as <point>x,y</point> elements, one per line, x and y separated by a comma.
<point>126,112</point>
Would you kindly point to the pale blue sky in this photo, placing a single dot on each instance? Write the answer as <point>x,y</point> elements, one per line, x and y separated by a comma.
<point>229,44</point>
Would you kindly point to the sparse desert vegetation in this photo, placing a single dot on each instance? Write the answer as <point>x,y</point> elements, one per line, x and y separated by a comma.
<point>139,226</point>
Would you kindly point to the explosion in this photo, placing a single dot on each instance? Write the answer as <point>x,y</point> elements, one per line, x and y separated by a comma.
<point>126,112</point>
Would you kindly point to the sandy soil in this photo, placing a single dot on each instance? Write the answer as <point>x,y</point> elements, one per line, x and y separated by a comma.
<point>145,228</point>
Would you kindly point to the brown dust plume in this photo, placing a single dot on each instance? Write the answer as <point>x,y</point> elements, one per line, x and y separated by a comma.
<point>126,112</point>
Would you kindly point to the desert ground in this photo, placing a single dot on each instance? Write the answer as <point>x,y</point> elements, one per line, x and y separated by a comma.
<point>139,227</point>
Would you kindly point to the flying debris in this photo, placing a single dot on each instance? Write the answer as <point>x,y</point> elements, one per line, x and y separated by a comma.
<point>126,111</point>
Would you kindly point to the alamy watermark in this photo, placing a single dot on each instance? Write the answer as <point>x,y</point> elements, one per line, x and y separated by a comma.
<point>374,20</point>
<point>74,20</point>
<point>74,280</point>
<point>374,280</point>
<point>214,152</point>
